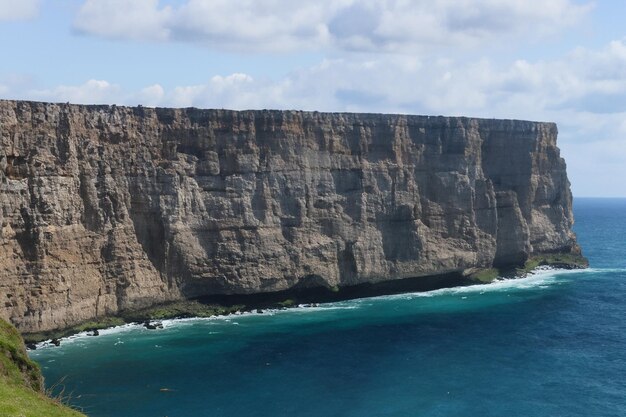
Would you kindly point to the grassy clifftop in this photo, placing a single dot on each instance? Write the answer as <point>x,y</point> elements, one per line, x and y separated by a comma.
<point>21,383</point>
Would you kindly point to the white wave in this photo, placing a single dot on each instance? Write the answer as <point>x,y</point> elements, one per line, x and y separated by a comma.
<point>78,337</point>
<point>540,278</point>
<point>229,318</point>
<point>321,307</point>
<point>604,270</point>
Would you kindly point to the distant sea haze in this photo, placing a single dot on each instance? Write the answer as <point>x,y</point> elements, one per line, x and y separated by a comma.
<point>553,343</point>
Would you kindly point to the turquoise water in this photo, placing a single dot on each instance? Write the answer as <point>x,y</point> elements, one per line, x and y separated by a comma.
<point>553,344</point>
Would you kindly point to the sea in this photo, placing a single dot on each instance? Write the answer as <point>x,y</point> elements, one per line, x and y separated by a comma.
<point>552,344</point>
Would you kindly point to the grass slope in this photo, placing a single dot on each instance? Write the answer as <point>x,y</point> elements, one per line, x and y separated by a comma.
<point>21,382</point>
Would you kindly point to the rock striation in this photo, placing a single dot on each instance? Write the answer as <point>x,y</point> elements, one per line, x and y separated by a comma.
<point>106,208</point>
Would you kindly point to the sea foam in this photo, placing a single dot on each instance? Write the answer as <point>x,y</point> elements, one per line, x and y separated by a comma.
<point>539,279</point>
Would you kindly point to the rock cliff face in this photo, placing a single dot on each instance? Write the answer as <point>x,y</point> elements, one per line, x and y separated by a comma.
<point>107,208</point>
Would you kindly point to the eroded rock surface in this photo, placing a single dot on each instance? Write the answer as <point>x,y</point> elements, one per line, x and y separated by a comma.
<point>107,208</point>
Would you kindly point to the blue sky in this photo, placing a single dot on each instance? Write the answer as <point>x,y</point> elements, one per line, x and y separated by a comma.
<point>557,60</point>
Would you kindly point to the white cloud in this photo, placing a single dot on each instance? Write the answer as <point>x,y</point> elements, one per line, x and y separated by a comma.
<point>394,25</point>
<point>583,91</point>
<point>124,19</point>
<point>584,83</point>
<point>236,91</point>
<point>91,92</point>
<point>364,25</point>
<point>18,9</point>
<point>251,24</point>
<point>150,96</point>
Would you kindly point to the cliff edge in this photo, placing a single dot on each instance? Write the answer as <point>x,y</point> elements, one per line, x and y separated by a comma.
<point>107,209</point>
<point>21,383</point>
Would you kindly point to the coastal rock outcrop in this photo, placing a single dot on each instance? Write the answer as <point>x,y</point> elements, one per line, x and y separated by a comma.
<point>107,208</point>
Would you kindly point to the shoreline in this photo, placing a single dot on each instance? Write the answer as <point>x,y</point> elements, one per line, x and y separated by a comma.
<point>224,305</point>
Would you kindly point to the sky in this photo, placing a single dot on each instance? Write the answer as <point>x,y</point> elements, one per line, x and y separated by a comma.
<point>546,60</point>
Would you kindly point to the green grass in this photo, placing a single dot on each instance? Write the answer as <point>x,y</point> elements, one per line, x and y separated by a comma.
<point>559,260</point>
<point>287,303</point>
<point>180,309</point>
<point>21,382</point>
<point>104,323</point>
<point>485,276</point>
<point>19,401</point>
<point>16,367</point>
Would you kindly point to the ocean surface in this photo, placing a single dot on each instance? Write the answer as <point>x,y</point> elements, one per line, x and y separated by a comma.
<point>552,344</point>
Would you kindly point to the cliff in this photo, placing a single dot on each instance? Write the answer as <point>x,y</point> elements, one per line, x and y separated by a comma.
<point>107,209</point>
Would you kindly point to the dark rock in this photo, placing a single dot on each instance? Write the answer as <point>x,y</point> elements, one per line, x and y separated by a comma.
<point>153,325</point>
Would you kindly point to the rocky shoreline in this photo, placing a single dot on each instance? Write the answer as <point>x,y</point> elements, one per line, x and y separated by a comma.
<point>226,305</point>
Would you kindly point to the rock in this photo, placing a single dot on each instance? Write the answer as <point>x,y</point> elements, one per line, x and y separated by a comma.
<point>31,346</point>
<point>153,325</point>
<point>56,342</point>
<point>107,209</point>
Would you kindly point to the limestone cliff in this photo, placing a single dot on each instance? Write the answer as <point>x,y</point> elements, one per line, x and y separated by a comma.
<point>107,208</point>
